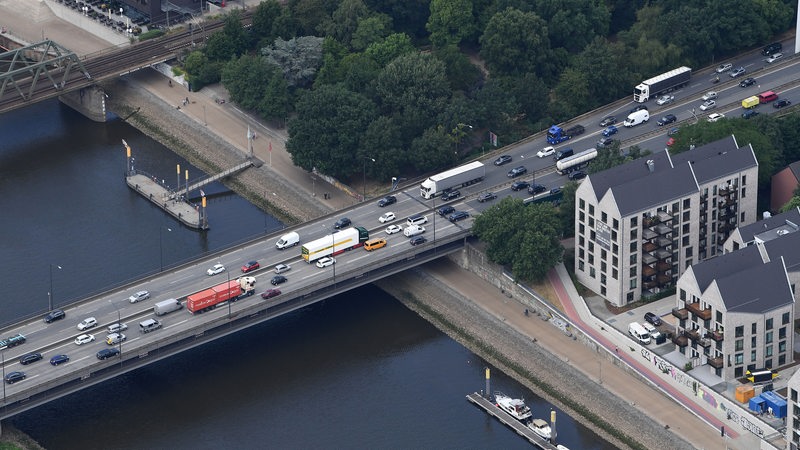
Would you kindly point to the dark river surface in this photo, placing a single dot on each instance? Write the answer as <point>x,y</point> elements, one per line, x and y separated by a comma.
<point>355,371</point>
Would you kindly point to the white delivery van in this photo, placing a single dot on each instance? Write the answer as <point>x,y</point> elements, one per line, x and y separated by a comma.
<point>413,230</point>
<point>288,240</point>
<point>637,117</point>
<point>638,332</point>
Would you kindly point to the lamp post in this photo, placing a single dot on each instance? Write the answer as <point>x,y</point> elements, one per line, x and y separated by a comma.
<point>3,364</point>
<point>50,293</point>
<point>366,158</point>
<point>228,287</point>
<point>333,251</point>
<point>119,322</point>
<point>161,245</point>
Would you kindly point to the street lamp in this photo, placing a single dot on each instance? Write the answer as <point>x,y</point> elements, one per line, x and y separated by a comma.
<point>50,293</point>
<point>333,251</point>
<point>119,322</point>
<point>228,288</point>
<point>366,158</point>
<point>161,244</point>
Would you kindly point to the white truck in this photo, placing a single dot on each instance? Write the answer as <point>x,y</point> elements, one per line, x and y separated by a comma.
<point>334,243</point>
<point>454,178</point>
<point>575,161</point>
<point>660,84</point>
<point>636,118</point>
<point>288,240</point>
<point>166,306</point>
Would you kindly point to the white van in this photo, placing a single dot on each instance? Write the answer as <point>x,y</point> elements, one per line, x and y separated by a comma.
<point>636,118</point>
<point>288,240</point>
<point>417,219</point>
<point>413,230</point>
<point>638,332</point>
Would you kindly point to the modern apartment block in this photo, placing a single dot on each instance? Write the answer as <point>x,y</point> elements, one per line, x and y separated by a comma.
<point>640,225</point>
<point>736,311</point>
<point>793,412</point>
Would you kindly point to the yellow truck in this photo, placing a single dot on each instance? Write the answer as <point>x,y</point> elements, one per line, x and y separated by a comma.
<point>750,102</point>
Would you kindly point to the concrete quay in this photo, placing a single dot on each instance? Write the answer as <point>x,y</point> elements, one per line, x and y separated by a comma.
<point>191,215</point>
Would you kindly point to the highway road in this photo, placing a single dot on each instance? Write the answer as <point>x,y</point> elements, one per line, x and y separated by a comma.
<point>58,337</point>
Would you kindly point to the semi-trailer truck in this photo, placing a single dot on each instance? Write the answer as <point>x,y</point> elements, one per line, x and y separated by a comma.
<point>575,161</point>
<point>454,178</point>
<point>662,83</point>
<point>208,299</point>
<point>557,135</point>
<point>335,243</point>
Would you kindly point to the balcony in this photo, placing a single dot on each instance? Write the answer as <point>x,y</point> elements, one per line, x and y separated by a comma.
<point>693,334</point>
<point>705,342</point>
<point>715,362</point>
<point>715,335</point>
<point>680,313</point>
<point>664,216</point>
<point>680,340</point>
<point>694,308</point>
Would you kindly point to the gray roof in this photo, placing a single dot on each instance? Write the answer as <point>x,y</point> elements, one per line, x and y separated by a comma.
<point>787,246</point>
<point>636,187</point>
<point>770,228</point>
<point>756,290</point>
<point>723,265</point>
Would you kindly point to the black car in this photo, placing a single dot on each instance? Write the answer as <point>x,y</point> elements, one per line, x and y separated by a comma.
<point>450,195</point>
<point>30,358</point>
<point>277,279</point>
<point>652,318</point>
<point>749,113</point>
<point>610,120</point>
<point>417,240</point>
<point>577,175</point>
<point>747,82</point>
<point>519,185</point>
<point>386,201</point>
<point>669,118</point>
<point>536,188</point>
<point>505,159</point>
<point>458,215</point>
<point>605,142</point>
<point>341,223</point>
<point>54,315</point>
<point>781,103</point>
<point>445,210</point>
<point>107,353</point>
<point>517,171</point>
<point>638,108</point>
<point>486,196</point>
<point>555,191</point>
<point>13,377</point>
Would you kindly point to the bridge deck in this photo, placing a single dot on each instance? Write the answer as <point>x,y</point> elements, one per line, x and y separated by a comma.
<point>151,189</point>
<point>509,421</point>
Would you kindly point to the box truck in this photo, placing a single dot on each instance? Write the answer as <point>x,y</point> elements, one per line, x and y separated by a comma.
<point>335,243</point>
<point>750,102</point>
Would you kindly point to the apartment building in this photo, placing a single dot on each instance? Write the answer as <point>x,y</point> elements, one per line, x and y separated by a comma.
<point>640,225</point>
<point>793,412</point>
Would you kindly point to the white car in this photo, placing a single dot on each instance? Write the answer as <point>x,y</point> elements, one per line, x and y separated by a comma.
<point>215,269</point>
<point>387,217</point>
<point>708,104</point>
<point>710,95</point>
<point>280,268</point>
<point>84,339</point>
<point>87,323</point>
<point>117,327</point>
<point>115,338</point>
<point>392,229</point>
<point>325,262</point>
<point>724,67</point>
<point>139,296</point>
<point>664,99</point>
<point>774,57</point>
<point>713,117</point>
<point>547,151</point>
<point>413,230</point>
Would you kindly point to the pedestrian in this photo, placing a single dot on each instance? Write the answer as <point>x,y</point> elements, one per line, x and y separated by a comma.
<point>170,83</point>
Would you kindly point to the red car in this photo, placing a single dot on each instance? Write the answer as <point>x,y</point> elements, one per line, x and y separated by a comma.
<point>670,141</point>
<point>269,293</point>
<point>251,266</point>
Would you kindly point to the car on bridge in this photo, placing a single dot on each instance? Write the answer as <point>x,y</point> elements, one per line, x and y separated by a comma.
<point>115,338</point>
<point>504,159</point>
<point>669,118</point>
<point>54,315</point>
<point>30,358</point>
<point>269,293</point>
<point>519,185</point>
<point>392,229</point>
<point>281,268</point>
<point>486,196</point>
<point>737,72</point>
<point>342,223</point>
<point>215,269</point>
<point>774,57</point>
<point>57,360</point>
<point>13,377</point>
<point>458,215</point>
<point>536,188</point>
<point>116,327</point>
<point>445,210</point>
<point>747,82</point>
<point>251,266</point>
<point>84,339</point>
<point>278,279</point>
<point>387,217</point>
<point>577,175</point>
<point>608,120</point>
<point>664,99</point>
<point>450,195</point>
<point>708,104</point>
<point>325,262</point>
<point>417,240</point>
<point>89,322</point>
<point>611,130</point>
<point>386,201</point>
<point>604,142</point>
<point>517,171</point>
<point>710,95</point>
<point>750,113</point>
<point>107,353</point>
<point>713,117</point>
<point>724,67</point>
<point>139,296</point>
<point>781,103</point>
<point>547,151</point>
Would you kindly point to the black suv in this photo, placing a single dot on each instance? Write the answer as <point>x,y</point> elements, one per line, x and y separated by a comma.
<point>458,215</point>
<point>517,171</point>
<point>519,185</point>
<point>341,223</point>
<point>386,201</point>
<point>277,279</point>
<point>445,210</point>
<point>669,118</point>
<point>536,188</point>
<point>450,195</point>
<point>107,353</point>
<point>652,318</point>
<point>13,377</point>
<point>54,315</point>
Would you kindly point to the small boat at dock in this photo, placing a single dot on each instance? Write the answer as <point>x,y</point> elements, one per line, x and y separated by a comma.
<point>514,406</point>
<point>541,428</point>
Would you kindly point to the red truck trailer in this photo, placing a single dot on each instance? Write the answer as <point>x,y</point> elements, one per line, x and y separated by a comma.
<point>208,299</point>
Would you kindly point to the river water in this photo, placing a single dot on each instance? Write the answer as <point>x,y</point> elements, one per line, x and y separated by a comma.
<point>355,371</point>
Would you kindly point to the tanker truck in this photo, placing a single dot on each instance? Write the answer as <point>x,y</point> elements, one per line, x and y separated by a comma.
<point>233,290</point>
<point>575,161</point>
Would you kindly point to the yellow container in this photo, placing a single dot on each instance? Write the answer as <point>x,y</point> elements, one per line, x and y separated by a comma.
<point>744,393</point>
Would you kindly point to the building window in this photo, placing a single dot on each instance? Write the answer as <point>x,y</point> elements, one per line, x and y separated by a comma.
<point>591,221</point>
<point>769,324</point>
<point>602,278</point>
<point>615,248</point>
<point>768,337</point>
<point>738,359</point>
<point>602,290</point>
<point>768,363</point>
<point>689,251</point>
<point>675,207</point>
<point>744,180</point>
<point>634,234</point>
<point>629,297</point>
<point>752,356</point>
<point>615,261</point>
<point>769,351</point>
<point>739,345</point>
<point>616,224</point>
<point>744,192</point>
<point>580,266</point>
<point>633,271</point>
<point>686,228</point>
<point>591,246</point>
<point>604,216</point>
<point>782,347</point>
<point>686,216</point>
<point>785,318</point>
<point>603,267</point>
<point>683,295</point>
<point>740,331</point>
<point>686,203</point>
<point>738,372</point>
<point>591,258</point>
<point>581,242</point>
<point>603,253</point>
<point>742,218</point>
<point>581,217</point>
<point>581,229</point>
<point>753,328</point>
<point>582,204</point>
<point>633,246</point>
<point>614,235</point>
<point>753,342</point>
<point>591,210</point>
<point>685,241</point>
<point>614,274</point>
<point>793,396</point>
<point>781,360</point>
<point>633,283</point>
<point>633,259</point>
<point>591,272</point>
<point>580,253</point>
<point>634,222</point>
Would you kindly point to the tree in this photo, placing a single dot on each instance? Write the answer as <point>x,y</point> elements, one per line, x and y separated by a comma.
<point>328,129</point>
<point>386,50</point>
<point>298,58</point>
<point>382,141</point>
<point>265,17</point>
<point>523,237</point>
<point>574,23</point>
<point>370,30</point>
<point>245,78</point>
<point>461,73</point>
<point>566,209</point>
<point>344,21</point>
<point>450,22</point>
<point>793,203</point>
<point>515,42</point>
<point>433,150</point>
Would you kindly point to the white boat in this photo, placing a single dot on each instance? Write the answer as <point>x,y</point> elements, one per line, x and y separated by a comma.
<point>514,406</point>
<point>541,428</point>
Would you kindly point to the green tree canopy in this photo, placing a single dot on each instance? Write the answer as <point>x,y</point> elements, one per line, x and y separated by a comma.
<point>450,22</point>
<point>298,58</point>
<point>516,42</point>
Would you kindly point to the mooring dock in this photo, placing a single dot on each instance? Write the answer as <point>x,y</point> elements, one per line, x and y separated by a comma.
<point>152,189</point>
<point>510,422</point>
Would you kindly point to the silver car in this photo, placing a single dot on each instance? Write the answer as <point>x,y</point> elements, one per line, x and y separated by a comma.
<point>139,296</point>
<point>724,67</point>
<point>737,72</point>
<point>664,99</point>
<point>281,268</point>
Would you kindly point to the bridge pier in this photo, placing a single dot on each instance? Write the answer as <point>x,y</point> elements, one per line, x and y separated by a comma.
<point>89,101</point>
